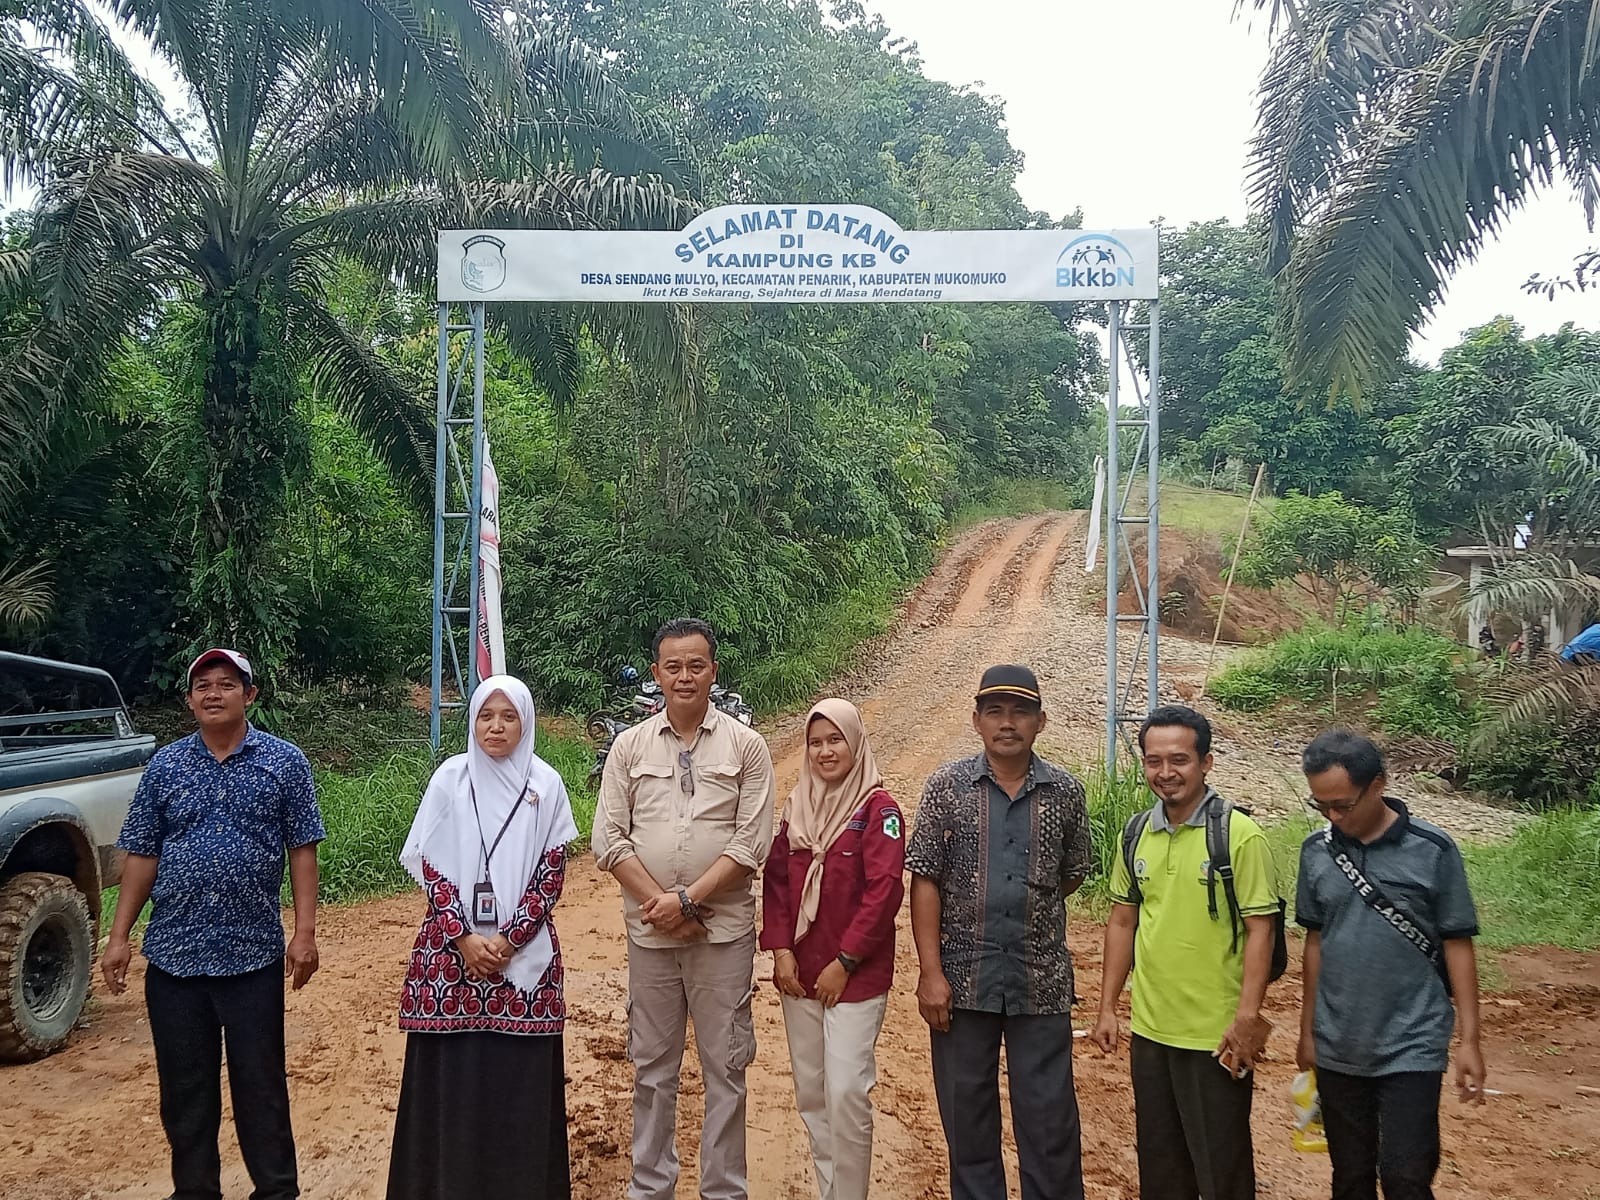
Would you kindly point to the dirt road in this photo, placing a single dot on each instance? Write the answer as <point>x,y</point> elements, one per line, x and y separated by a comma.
<point>83,1125</point>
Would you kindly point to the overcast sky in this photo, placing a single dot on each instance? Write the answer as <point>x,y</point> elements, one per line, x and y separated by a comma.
<point>1138,109</point>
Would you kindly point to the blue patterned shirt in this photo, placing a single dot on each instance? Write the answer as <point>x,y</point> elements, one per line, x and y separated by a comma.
<point>220,831</point>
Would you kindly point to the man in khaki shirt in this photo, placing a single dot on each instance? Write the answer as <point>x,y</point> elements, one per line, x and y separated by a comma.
<point>684,821</point>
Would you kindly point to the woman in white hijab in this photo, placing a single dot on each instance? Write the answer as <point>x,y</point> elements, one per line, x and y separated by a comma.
<point>482,1107</point>
<point>832,887</point>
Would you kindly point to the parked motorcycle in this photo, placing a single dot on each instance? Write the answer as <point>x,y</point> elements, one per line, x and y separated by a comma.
<point>645,700</point>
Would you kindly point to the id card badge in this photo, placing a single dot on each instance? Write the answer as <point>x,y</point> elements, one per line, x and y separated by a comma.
<point>483,907</point>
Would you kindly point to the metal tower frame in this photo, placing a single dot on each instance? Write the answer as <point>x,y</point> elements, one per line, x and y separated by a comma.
<point>458,504</point>
<point>457,509</point>
<point>1121,512</point>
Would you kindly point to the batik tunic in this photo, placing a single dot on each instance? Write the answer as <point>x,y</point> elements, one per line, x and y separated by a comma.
<point>440,997</point>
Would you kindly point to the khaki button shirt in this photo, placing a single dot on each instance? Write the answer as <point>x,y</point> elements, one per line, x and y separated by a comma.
<point>643,812</point>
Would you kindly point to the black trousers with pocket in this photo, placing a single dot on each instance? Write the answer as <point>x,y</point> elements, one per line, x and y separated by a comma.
<point>1044,1106</point>
<point>1382,1127</point>
<point>191,1021</point>
<point>1193,1122</point>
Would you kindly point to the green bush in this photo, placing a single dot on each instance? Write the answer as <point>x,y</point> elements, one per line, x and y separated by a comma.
<point>1542,766</point>
<point>1422,685</point>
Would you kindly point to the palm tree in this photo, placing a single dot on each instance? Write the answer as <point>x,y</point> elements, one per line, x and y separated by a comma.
<point>309,130</point>
<point>1393,137</point>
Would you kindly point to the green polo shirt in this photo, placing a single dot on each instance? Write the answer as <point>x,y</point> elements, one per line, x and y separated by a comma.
<point>1186,980</point>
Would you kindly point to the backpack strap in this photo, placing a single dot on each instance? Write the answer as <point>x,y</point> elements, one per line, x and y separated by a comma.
<point>1131,833</point>
<point>1218,820</point>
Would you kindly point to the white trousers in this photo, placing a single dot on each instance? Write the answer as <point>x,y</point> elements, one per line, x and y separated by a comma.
<point>833,1051</point>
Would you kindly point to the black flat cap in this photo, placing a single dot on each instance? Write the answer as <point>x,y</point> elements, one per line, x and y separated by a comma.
<point>1010,679</point>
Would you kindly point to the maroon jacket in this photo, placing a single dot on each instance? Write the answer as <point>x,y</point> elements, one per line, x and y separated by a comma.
<point>862,886</point>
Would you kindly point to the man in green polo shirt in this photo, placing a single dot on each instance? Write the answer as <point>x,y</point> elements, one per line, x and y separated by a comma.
<point>1197,987</point>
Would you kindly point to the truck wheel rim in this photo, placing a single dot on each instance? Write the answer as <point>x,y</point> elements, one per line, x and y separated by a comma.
<point>47,969</point>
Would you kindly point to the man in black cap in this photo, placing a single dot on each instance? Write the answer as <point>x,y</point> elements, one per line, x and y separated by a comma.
<point>1001,841</point>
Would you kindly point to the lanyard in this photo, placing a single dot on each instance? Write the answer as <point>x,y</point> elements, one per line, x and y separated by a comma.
<point>488,851</point>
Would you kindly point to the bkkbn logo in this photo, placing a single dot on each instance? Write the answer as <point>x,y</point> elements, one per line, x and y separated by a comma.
<point>1094,260</point>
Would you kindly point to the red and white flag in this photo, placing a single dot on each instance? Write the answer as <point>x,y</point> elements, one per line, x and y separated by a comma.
<point>491,642</point>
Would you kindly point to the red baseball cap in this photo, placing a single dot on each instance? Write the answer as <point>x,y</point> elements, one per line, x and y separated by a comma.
<point>218,654</point>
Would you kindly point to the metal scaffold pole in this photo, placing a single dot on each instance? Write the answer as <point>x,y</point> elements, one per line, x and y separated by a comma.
<point>1123,706</point>
<point>457,508</point>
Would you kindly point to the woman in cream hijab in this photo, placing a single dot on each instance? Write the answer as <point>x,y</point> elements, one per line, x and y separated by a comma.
<point>483,1108</point>
<point>833,886</point>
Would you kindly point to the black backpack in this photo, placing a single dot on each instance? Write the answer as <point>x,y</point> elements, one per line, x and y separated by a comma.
<point>1220,867</point>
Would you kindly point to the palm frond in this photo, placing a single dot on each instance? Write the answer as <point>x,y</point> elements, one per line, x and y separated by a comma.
<point>1546,695</point>
<point>104,211</point>
<point>575,113</point>
<point>1441,153</point>
<point>1530,586</point>
<point>545,336</point>
<point>25,594</point>
<point>59,361</point>
<point>384,409</point>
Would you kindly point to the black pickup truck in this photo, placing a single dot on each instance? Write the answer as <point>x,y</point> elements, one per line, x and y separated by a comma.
<point>70,761</point>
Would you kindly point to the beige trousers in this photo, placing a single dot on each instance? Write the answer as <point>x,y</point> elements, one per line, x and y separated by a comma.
<point>833,1052</point>
<point>711,984</point>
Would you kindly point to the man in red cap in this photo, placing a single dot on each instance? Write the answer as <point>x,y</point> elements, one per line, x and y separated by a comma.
<point>206,837</point>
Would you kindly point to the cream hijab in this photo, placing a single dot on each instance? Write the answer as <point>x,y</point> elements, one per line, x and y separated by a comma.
<point>522,787</point>
<point>818,812</point>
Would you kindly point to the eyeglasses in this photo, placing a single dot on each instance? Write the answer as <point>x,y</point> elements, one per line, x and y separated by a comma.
<point>686,779</point>
<point>1328,810</point>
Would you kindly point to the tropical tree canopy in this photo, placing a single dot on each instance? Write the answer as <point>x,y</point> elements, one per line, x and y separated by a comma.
<point>1393,138</point>
<point>304,133</point>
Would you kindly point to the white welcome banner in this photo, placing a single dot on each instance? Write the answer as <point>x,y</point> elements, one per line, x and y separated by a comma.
<point>797,254</point>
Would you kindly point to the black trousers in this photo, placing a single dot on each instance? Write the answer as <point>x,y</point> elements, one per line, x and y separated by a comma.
<point>1044,1106</point>
<point>191,1020</point>
<point>1382,1127</point>
<point>1193,1122</point>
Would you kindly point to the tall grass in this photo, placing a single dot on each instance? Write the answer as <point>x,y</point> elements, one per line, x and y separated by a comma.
<point>1542,885</point>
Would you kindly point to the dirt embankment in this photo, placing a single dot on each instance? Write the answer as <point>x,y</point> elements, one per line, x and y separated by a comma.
<point>83,1125</point>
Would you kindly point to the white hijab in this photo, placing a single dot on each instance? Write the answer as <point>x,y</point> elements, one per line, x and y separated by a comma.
<point>447,833</point>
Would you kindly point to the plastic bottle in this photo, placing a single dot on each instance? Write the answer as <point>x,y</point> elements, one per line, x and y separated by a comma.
<point>1309,1137</point>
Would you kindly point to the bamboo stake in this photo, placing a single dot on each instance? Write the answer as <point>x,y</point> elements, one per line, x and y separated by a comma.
<point>1227,588</point>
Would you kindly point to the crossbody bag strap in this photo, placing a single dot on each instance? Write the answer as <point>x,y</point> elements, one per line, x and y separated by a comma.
<point>1374,898</point>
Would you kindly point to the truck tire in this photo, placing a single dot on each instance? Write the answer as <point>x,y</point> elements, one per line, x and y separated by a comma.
<point>46,952</point>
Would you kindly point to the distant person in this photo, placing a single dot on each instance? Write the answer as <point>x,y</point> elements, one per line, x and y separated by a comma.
<point>684,821</point>
<point>1001,841</point>
<point>1583,650</point>
<point>832,889</point>
<point>206,837</point>
<point>1200,972</point>
<point>1389,927</point>
<point>1487,642</point>
<point>483,1107</point>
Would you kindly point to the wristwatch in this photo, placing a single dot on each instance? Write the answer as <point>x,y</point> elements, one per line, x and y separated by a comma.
<point>849,964</point>
<point>691,910</point>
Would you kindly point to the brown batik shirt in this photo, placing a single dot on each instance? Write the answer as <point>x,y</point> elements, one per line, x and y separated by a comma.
<point>1004,868</point>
